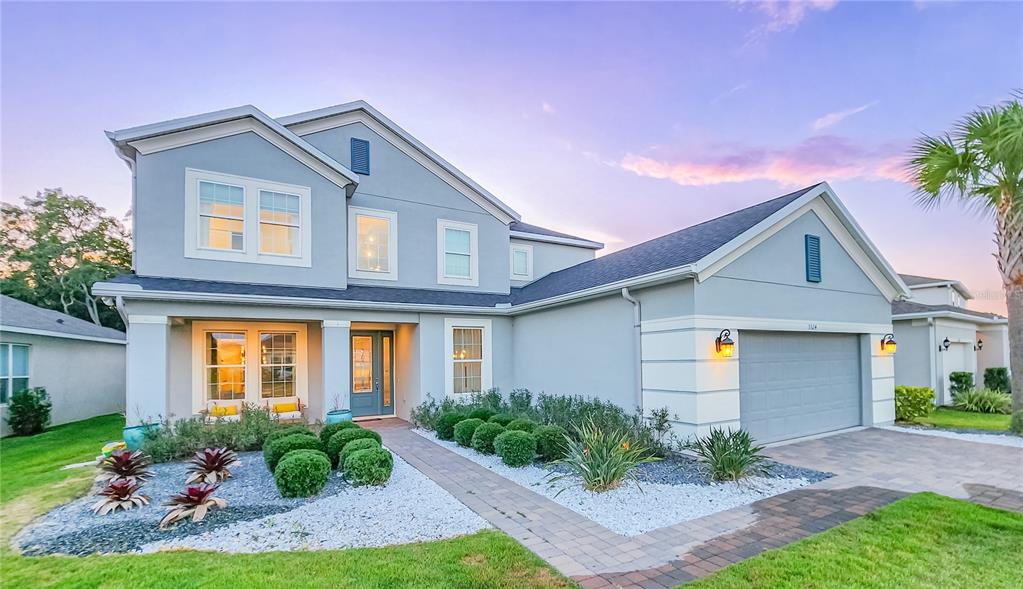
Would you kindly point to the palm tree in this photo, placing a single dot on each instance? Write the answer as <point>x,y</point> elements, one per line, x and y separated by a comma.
<point>980,164</point>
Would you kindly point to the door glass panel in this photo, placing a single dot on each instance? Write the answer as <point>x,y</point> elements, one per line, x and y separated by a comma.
<point>362,364</point>
<point>387,370</point>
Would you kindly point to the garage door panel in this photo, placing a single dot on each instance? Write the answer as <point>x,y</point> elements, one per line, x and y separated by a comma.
<point>797,384</point>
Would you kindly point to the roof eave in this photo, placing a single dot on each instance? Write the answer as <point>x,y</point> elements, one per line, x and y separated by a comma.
<point>949,315</point>
<point>584,243</point>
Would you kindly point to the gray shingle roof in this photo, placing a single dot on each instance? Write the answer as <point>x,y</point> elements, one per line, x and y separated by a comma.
<point>15,313</point>
<point>537,230</point>
<point>907,307</point>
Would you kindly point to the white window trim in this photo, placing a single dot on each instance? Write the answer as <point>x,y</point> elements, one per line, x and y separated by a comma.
<point>474,261</point>
<point>528,250</point>
<point>487,371</point>
<point>392,244</point>
<point>10,369</point>
<point>250,253</point>
<point>199,329</point>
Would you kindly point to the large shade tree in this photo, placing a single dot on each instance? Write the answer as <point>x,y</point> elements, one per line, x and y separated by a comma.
<point>55,246</point>
<point>980,164</point>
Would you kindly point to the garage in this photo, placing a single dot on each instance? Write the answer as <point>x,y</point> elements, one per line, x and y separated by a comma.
<point>798,384</point>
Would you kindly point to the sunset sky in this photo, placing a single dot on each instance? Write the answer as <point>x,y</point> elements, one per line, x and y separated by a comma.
<point>619,122</point>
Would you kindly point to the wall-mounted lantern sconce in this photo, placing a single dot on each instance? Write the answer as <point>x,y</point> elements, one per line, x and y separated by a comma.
<point>943,347</point>
<point>979,346</point>
<point>888,343</point>
<point>724,344</point>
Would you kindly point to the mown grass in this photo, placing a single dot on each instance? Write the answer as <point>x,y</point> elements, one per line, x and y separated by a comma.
<point>945,417</point>
<point>922,541</point>
<point>32,482</point>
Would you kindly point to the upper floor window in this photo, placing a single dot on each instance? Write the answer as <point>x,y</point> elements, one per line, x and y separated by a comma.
<point>457,253</point>
<point>13,370</point>
<point>222,211</point>
<point>372,244</point>
<point>521,262</point>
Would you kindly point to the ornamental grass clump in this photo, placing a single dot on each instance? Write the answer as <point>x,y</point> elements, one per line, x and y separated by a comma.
<point>125,465</point>
<point>484,436</point>
<point>515,447</point>
<point>983,401</point>
<point>729,455</point>
<point>211,465</point>
<point>195,502</point>
<point>602,458</point>
<point>119,494</point>
<point>341,439</point>
<point>465,429</point>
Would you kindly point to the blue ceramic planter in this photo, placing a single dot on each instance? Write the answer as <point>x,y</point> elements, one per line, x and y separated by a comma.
<point>135,435</point>
<point>338,416</point>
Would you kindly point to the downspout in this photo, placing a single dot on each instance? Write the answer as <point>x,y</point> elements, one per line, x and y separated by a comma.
<point>932,330</point>
<point>119,305</point>
<point>637,346</point>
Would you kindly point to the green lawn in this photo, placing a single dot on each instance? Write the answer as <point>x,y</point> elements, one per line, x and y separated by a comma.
<point>925,540</point>
<point>952,418</point>
<point>31,482</point>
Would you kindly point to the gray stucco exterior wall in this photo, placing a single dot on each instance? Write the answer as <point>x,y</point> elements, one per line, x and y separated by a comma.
<point>551,257</point>
<point>913,360</point>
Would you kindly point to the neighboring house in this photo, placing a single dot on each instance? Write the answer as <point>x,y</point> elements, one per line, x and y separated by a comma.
<point>331,259</point>
<point>80,364</point>
<point>938,335</point>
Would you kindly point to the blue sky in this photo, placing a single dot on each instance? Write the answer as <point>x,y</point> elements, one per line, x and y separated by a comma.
<point>617,121</point>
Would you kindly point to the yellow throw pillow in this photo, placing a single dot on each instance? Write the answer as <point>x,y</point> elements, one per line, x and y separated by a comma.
<point>285,407</point>
<point>222,410</point>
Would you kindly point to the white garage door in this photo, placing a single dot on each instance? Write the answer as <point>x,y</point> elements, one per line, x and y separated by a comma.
<point>798,384</point>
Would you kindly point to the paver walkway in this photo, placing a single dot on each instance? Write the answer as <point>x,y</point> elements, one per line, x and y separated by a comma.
<point>874,468</point>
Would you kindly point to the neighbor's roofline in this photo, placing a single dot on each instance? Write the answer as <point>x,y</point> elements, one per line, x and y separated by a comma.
<point>49,333</point>
<point>349,107</point>
<point>526,236</point>
<point>959,286</point>
<point>945,313</point>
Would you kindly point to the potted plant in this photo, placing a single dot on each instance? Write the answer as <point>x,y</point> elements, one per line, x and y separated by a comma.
<point>338,415</point>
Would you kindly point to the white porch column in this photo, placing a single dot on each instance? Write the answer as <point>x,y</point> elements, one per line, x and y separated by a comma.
<point>146,399</point>
<point>337,357</point>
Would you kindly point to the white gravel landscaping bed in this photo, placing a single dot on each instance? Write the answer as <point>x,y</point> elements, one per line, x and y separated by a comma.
<point>993,438</point>
<point>409,508</point>
<point>629,510</point>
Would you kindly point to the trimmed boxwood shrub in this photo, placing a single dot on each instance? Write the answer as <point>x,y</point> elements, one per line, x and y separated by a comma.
<point>330,429</point>
<point>355,446</point>
<point>913,402</point>
<point>483,437</point>
<point>286,431</point>
<point>464,430</point>
<point>960,382</point>
<point>522,424</point>
<point>446,424</point>
<point>482,413</point>
<point>996,378</point>
<point>369,467</point>
<point>515,447</point>
<point>339,440</point>
<point>275,449</point>
<point>302,473</point>
<point>502,418</point>
<point>550,442</point>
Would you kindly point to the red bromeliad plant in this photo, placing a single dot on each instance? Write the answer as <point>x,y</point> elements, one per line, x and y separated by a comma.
<point>119,494</point>
<point>126,465</point>
<point>196,502</point>
<point>211,465</point>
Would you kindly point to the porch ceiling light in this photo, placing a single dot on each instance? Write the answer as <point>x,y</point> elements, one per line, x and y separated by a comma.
<point>724,344</point>
<point>944,345</point>
<point>888,343</point>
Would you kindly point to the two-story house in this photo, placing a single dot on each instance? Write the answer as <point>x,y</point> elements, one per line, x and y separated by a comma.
<point>330,259</point>
<point>938,335</point>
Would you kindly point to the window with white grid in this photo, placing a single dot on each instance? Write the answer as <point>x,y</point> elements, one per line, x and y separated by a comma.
<point>277,364</point>
<point>280,223</point>
<point>467,355</point>
<point>221,216</point>
<point>225,365</point>
<point>13,370</point>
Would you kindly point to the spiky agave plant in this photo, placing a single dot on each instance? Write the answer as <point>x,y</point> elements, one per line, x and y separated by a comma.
<point>196,501</point>
<point>211,465</point>
<point>125,465</point>
<point>119,494</point>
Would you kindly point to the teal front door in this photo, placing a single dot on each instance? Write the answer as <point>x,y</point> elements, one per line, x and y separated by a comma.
<point>372,373</point>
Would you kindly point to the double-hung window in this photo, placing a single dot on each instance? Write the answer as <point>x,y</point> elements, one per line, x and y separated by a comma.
<point>457,253</point>
<point>372,244</point>
<point>521,262</point>
<point>13,370</point>
<point>241,219</point>
<point>277,363</point>
<point>469,365</point>
<point>225,365</point>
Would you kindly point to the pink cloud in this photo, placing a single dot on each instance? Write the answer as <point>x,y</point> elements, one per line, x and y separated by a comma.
<point>824,157</point>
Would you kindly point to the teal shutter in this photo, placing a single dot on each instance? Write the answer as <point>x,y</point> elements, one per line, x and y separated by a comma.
<point>360,156</point>
<point>813,258</point>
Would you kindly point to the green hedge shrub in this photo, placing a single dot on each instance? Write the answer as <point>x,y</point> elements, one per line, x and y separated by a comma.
<point>913,402</point>
<point>372,466</point>
<point>446,424</point>
<point>465,429</point>
<point>28,411</point>
<point>482,413</point>
<point>997,379</point>
<point>550,442</point>
<point>330,429</point>
<point>502,418</point>
<point>483,437</point>
<point>960,382</point>
<point>275,449</point>
<point>515,447</point>
<point>983,401</point>
<point>355,446</point>
<point>184,437</point>
<point>287,431</point>
<point>340,439</point>
<point>302,473</point>
<point>522,424</point>
<point>1016,425</point>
